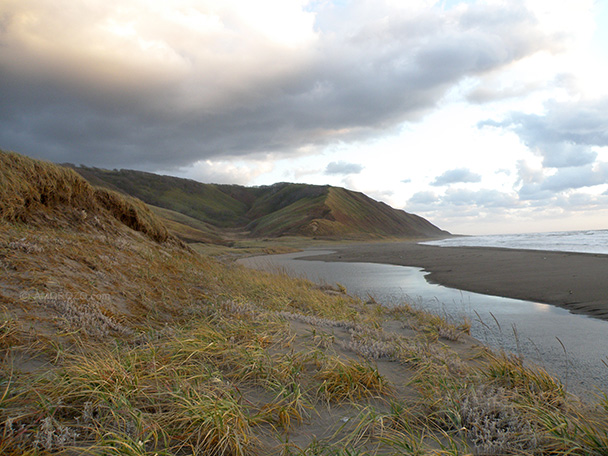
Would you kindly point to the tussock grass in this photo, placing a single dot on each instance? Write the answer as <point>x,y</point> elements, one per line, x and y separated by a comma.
<point>112,343</point>
<point>436,326</point>
<point>211,422</point>
<point>350,381</point>
<point>29,189</point>
<point>9,333</point>
<point>27,185</point>
<point>509,371</point>
<point>291,407</point>
<point>133,213</point>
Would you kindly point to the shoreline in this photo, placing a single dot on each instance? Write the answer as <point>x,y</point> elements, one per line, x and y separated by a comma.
<point>574,281</point>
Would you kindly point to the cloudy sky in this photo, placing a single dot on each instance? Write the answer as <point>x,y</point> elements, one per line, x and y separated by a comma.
<point>482,116</point>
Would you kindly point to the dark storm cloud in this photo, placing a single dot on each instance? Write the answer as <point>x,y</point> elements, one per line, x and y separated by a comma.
<point>155,93</point>
<point>454,176</point>
<point>566,134</point>
<point>343,167</point>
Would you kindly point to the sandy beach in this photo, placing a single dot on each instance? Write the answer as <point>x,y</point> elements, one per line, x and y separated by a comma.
<point>575,281</point>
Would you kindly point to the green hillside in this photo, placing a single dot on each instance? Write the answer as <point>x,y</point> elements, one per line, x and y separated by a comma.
<point>205,202</point>
<point>288,209</point>
<point>354,209</point>
<point>116,339</point>
<point>205,212</point>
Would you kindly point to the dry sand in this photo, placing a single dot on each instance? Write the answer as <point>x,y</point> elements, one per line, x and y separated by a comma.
<point>575,281</point>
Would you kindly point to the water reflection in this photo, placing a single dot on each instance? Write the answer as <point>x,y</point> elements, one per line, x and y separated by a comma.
<point>568,345</point>
<point>542,307</point>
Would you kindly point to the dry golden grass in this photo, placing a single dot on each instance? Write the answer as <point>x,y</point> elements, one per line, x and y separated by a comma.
<point>112,343</point>
<point>31,189</point>
<point>351,381</point>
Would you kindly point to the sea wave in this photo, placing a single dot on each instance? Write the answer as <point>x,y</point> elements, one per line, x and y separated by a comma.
<point>583,241</point>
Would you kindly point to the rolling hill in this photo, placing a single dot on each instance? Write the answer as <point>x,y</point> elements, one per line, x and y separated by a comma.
<point>212,212</point>
<point>118,339</point>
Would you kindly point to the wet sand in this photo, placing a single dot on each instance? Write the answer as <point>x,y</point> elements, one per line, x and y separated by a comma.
<point>575,281</point>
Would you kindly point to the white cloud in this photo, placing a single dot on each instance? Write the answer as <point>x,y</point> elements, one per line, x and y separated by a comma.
<point>566,134</point>
<point>423,199</point>
<point>576,177</point>
<point>342,167</point>
<point>486,198</point>
<point>528,174</point>
<point>455,199</point>
<point>453,176</point>
<point>578,202</point>
<point>222,172</point>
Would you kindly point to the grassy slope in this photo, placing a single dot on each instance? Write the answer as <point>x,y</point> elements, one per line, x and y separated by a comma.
<point>287,209</point>
<point>334,212</point>
<point>204,202</point>
<point>272,211</point>
<point>356,209</point>
<point>117,342</point>
<point>187,228</point>
<point>30,188</point>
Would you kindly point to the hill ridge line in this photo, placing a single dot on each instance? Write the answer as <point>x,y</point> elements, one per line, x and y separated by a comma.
<point>280,209</point>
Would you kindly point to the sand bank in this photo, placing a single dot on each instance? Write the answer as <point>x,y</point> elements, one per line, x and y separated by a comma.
<point>575,281</point>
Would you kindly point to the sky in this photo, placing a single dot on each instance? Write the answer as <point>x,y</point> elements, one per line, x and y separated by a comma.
<point>484,117</point>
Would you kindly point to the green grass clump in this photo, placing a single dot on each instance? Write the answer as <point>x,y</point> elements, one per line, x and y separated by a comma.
<point>510,372</point>
<point>211,421</point>
<point>576,429</point>
<point>291,407</point>
<point>350,381</point>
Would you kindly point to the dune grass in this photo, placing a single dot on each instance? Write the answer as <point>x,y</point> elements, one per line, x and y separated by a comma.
<point>238,378</point>
<point>115,342</point>
<point>31,189</point>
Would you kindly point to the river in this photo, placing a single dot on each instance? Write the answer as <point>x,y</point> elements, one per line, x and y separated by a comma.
<point>572,347</point>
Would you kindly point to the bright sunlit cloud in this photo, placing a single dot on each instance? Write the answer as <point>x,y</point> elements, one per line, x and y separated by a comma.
<point>483,116</point>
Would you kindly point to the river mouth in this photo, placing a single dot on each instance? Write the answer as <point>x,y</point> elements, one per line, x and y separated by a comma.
<point>572,347</point>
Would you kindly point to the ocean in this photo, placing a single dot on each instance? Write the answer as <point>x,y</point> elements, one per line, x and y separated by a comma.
<point>584,241</point>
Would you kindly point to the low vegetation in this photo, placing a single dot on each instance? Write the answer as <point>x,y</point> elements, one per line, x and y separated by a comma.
<point>117,341</point>
<point>29,189</point>
<point>199,212</point>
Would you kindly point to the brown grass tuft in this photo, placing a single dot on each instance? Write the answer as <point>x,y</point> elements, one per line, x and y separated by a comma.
<point>32,188</point>
<point>133,213</point>
<point>351,380</point>
<point>28,185</point>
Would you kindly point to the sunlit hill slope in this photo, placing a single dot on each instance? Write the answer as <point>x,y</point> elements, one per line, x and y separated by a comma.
<point>282,209</point>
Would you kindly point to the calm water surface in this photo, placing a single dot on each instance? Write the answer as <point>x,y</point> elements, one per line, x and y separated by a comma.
<point>533,330</point>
